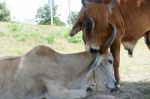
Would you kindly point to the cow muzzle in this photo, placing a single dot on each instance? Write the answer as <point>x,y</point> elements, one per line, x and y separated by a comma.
<point>95,48</point>
<point>92,50</point>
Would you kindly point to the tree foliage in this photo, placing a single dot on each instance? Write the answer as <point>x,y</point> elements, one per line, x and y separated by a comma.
<point>72,18</point>
<point>43,16</point>
<point>4,12</point>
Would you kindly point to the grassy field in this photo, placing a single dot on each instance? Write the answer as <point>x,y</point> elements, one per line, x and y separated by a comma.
<point>17,39</point>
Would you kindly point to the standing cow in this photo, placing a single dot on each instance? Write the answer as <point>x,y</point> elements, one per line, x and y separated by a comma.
<point>99,21</point>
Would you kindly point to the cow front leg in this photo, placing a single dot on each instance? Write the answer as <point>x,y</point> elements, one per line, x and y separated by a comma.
<point>115,50</point>
<point>64,93</point>
<point>56,90</point>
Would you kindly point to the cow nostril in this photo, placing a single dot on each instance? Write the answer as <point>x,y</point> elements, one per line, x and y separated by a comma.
<point>94,50</point>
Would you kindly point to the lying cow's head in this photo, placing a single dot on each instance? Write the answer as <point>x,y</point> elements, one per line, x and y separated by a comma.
<point>93,20</point>
<point>104,74</point>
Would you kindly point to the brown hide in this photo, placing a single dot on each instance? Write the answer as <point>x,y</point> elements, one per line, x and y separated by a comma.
<point>130,17</point>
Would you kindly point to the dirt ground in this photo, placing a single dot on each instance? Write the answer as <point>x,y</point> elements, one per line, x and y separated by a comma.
<point>118,95</point>
<point>135,89</point>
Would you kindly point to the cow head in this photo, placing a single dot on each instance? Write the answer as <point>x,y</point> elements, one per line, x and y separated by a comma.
<point>104,74</point>
<point>93,20</point>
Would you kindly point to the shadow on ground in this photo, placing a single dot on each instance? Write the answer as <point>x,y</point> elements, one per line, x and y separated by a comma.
<point>128,90</point>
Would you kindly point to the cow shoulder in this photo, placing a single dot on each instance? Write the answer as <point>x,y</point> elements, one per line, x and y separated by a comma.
<point>42,51</point>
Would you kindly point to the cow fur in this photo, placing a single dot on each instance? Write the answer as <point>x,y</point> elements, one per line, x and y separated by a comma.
<point>131,19</point>
<point>43,73</point>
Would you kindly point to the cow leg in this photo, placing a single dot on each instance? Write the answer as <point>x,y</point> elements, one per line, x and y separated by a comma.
<point>115,50</point>
<point>60,92</point>
<point>57,91</point>
<point>147,39</point>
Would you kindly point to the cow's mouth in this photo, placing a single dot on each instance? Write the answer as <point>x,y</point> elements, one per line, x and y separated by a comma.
<point>94,50</point>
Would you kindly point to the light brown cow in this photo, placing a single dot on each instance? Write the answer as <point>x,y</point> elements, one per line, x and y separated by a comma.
<point>99,21</point>
<point>43,73</point>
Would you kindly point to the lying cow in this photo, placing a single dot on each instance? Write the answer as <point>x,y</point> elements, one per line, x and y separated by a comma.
<point>43,73</point>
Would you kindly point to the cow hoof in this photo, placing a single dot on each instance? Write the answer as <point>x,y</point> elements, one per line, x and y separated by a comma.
<point>114,90</point>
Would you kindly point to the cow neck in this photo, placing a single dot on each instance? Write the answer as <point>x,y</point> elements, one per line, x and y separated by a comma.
<point>95,63</point>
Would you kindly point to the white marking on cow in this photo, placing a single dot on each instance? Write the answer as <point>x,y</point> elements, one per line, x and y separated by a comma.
<point>95,46</point>
<point>89,46</point>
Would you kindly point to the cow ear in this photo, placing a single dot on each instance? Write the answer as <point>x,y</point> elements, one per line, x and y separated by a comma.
<point>76,28</point>
<point>78,24</point>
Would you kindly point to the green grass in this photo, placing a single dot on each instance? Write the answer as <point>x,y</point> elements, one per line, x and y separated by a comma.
<point>17,39</point>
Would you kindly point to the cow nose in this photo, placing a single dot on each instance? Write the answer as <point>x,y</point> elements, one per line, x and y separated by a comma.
<point>94,50</point>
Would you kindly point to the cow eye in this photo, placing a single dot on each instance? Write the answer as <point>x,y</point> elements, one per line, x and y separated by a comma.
<point>89,25</point>
<point>110,61</point>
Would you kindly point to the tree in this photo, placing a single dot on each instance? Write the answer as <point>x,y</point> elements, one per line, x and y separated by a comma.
<point>4,12</point>
<point>44,16</point>
<point>72,18</point>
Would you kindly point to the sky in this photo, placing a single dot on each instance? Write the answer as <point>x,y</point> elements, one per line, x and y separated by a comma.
<point>25,10</point>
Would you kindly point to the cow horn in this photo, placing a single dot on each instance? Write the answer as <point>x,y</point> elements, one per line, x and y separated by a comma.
<point>84,3</point>
<point>110,40</point>
<point>111,5</point>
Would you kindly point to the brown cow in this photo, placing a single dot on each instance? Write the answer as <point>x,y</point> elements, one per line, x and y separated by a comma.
<point>98,20</point>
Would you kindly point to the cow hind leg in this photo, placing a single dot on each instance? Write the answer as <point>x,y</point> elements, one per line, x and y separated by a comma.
<point>147,39</point>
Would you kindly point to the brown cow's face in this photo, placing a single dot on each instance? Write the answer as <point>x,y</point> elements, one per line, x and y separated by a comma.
<point>93,20</point>
<point>95,26</point>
